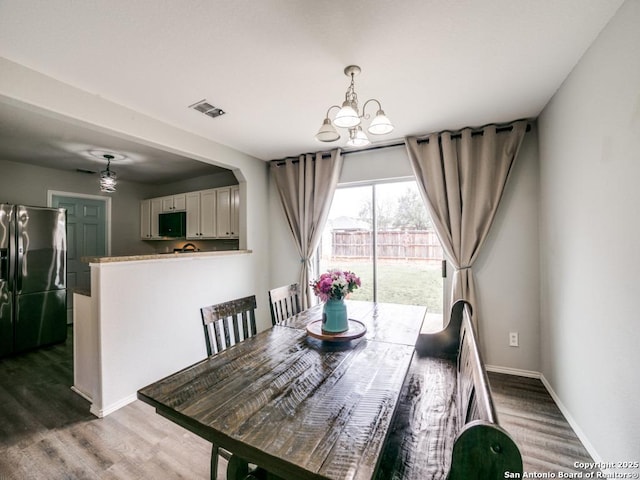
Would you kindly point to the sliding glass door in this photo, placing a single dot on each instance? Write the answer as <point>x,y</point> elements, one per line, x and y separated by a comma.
<point>347,239</point>
<point>383,233</point>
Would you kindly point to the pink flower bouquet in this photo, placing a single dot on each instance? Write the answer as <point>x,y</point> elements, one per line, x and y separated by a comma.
<point>335,285</point>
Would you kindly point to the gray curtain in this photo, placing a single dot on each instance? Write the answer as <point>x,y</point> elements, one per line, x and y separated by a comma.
<point>462,178</point>
<point>306,186</point>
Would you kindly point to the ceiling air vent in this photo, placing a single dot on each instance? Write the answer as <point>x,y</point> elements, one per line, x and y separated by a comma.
<point>208,109</point>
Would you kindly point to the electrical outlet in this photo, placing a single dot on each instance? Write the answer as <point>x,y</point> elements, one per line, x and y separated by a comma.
<point>513,339</point>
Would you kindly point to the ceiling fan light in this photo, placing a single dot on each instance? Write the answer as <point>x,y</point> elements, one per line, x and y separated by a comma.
<point>357,138</point>
<point>380,125</point>
<point>347,117</point>
<point>327,132</point>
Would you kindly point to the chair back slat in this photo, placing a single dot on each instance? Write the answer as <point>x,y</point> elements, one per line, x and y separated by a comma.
<point>236,327</point>
<point>284,302</point>
<point>241,324</point>
<point>221,323</point>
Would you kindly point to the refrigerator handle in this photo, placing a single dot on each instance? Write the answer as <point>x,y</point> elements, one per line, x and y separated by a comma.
<point>4,264</point>
<point>19,268</point>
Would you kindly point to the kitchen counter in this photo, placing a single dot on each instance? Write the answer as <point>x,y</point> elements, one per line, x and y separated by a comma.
<point>163,256</point>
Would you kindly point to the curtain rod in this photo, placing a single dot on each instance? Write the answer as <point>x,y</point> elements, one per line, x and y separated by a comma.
<point>475,131</point>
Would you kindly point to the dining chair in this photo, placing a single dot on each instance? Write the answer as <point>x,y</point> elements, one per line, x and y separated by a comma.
<point>284,302</point>
<point>226,324</point>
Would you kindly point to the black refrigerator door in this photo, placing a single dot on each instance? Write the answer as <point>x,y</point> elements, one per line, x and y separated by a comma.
<point>6,296</point>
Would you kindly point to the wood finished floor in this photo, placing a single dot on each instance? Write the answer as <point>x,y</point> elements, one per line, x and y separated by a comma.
<point>47,432</point>
<point>545,438</point>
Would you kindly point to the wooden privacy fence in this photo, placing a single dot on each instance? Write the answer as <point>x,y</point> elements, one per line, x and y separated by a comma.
<point>391,245</point>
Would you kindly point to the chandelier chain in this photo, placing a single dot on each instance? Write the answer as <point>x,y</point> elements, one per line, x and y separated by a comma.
<point>351,96</point>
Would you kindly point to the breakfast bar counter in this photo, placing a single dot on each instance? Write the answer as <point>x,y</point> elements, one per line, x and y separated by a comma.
<point>163,256</point>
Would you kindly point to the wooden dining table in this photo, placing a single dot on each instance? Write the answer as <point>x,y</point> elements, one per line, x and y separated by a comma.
<point>300,407</point>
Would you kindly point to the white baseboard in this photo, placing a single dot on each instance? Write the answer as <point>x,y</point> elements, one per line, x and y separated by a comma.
<point>84,395</point>
<point>103,412</point>
<point>574,425</point>
<point>513,371</point>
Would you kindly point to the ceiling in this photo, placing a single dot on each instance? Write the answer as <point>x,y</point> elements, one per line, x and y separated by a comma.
<point>30,137</point>
<point>275,66</point>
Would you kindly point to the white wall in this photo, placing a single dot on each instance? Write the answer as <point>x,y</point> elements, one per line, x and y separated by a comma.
<point>507,270</point>
<point>508,301</point>
<point>590,169</point>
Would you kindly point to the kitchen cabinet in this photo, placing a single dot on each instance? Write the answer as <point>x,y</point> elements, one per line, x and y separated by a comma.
<point>149,211</point>
<point>201,214</point>
<point>235,211</point>
<point>210,214</point>
<point>174,203</point>
<point>227,212</point>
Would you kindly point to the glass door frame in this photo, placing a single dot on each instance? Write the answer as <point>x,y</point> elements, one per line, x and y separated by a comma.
<point>374,229</point>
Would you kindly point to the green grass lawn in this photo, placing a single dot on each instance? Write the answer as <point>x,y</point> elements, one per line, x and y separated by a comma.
<point>409,283</point>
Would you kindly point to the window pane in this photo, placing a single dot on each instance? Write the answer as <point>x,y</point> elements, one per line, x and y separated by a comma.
<point>347,238</point>
<point>408,253</point>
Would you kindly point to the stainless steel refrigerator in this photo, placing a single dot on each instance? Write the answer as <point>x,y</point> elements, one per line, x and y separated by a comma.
<point>33,269</point>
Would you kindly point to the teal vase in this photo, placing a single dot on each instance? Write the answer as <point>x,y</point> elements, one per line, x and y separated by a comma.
<point>334,316</point>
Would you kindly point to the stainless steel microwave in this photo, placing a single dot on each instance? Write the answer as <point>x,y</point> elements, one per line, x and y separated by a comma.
<point>173,224</point>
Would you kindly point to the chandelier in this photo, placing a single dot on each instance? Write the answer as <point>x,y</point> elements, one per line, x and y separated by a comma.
<point>107,177</point>
<point>349,117</point>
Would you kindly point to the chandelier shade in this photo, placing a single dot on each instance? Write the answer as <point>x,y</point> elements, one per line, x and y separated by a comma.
<point>357,138</point>
<point>107,177</point>
<point>380,125</point>
<point>327,132</point>
<point>349,117</point>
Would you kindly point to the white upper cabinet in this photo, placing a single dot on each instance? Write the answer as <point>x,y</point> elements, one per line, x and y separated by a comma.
<point>235,211</point>
<point>145,219</point>
<point>201,211</point>
<point>208,213</point>
<point>193,215</point>
<point>174,203</point>
<point>227,211</point>
<point>149,211</point>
